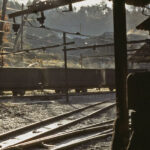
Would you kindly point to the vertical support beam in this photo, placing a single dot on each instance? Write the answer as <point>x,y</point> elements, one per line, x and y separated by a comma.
<point>22,23</point>
<point>80,27</point>
<point>2,18</point>
<point>18,35</point>
<point>120,138</point>
<point>81,61</point>
<point>66,69</point>
<point>2,58</point>
<point>1,28</point>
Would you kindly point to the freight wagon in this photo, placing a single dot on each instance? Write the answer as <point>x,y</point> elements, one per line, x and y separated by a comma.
<point>19,80</point>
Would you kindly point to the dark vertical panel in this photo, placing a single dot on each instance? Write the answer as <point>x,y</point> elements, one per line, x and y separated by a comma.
<point>120,138</point>
<point>66,69</point>
<point>22,22</point>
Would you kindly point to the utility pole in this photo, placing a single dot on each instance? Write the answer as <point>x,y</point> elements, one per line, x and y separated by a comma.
<point>66,69</point>
<point>22,23</point>
<point>1,28</point>
<point>81,61</point>
<point>121,135</point>
<point>80,27</point>
<point>18,34</point>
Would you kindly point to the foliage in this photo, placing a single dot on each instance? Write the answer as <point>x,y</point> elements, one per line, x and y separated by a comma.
<point>93,20</point>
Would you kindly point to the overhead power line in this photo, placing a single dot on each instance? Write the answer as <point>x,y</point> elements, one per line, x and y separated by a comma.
<point>50,29</point>
<point>36,49</point>
<point>106,45</point>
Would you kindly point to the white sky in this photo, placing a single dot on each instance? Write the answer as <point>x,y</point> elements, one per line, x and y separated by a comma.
<point>79,4</point>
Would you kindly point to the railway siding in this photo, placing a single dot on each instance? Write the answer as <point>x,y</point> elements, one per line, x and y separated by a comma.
<point>74,104</point>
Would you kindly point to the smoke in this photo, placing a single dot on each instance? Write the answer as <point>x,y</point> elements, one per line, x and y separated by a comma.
<point>106,63</point>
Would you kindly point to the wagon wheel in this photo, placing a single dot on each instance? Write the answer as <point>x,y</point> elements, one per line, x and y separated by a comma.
<point>77,90</point>
<point>63,91</point>
<point>111,88</point>
<point>22,93</point>
<point>1,92</point>
<point>14,92</point>
<point>84,90</point>
<point>57,91</point>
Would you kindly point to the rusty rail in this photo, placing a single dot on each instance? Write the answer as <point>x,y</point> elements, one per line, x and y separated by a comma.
<point>44,122</point>
<point>57,129</point>
<point>65,135</point>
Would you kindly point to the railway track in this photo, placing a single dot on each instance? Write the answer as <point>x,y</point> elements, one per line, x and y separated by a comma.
<point>70,136</point>
<point>52,96</point>
<point>68,140</point>
<point>57,125</point>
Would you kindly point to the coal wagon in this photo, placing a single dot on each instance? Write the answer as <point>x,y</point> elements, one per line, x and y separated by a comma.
<point>19,80</point>
<point>78,79</point>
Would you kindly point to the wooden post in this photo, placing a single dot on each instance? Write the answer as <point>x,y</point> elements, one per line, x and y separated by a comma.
<point>22,23</point>
<point>2,18</point>
<point>66,69</point>
<point>1,28</point>
<point>81,61</point>
<point>120,138</point>
<point>15,47</point>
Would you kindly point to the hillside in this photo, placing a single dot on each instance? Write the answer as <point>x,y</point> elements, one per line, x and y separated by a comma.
<point>96,21</point>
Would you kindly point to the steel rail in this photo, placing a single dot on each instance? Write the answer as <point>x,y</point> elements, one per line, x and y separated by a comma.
<point>29,129</point>
<point>98,136</point>
<point>72,144</point>
<point>64,136</point>
<point>46,121</point>
<point>59,128</point>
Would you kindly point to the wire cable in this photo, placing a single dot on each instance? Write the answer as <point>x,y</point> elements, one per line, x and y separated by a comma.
<point>36,49</point>
<point>52,29</point>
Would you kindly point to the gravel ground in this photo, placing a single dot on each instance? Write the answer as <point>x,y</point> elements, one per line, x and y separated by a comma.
<point>15,114</point>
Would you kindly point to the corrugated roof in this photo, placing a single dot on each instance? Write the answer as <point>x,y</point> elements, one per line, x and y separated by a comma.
<point>144,25</point>
<point>137,2</point>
